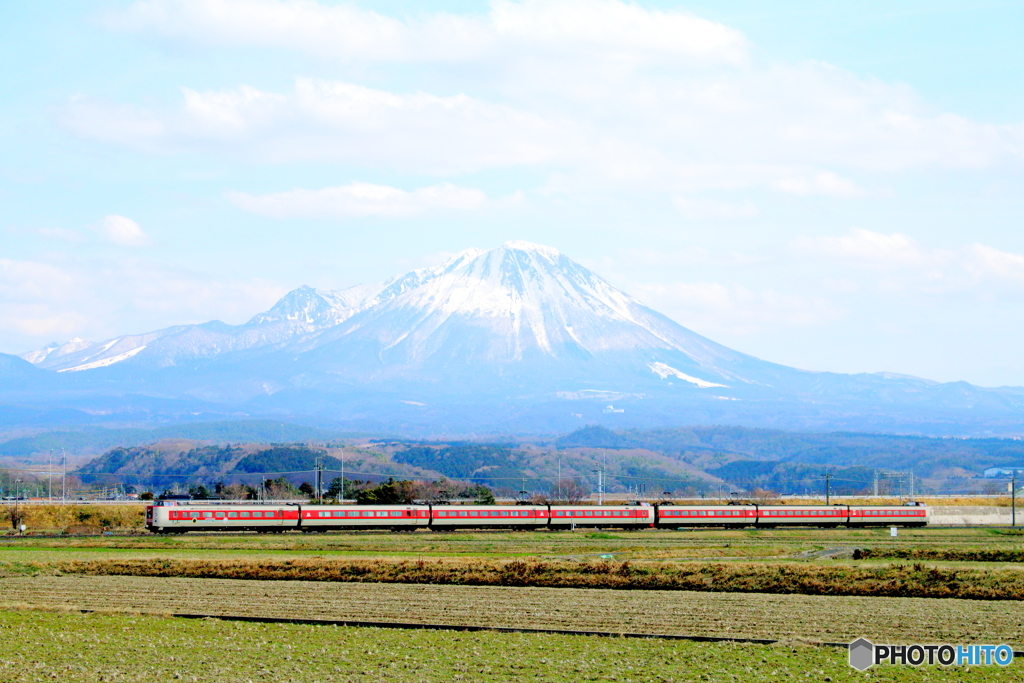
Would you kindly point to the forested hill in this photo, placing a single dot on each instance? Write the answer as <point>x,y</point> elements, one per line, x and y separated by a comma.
<point>167,463</point>
<point>924,455</point>
<point>505,467</point>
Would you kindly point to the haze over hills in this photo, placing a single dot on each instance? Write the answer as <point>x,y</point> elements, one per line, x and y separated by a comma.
<point>516,339</point>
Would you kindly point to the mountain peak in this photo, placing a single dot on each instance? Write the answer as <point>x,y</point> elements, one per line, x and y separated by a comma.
<point>520,245</point>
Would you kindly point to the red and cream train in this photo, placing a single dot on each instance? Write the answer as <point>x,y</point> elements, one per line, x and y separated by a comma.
<point>175,517</point>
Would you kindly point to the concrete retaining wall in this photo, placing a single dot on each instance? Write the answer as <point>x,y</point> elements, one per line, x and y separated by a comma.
<point>973,516</point>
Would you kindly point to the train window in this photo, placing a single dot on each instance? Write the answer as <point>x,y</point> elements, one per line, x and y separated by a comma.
<point>504,513</point>
<point>325,513</point>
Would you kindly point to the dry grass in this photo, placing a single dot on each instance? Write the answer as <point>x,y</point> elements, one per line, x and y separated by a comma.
<point>827,619</point>
<point>807,579</point>
<point>942,554</point>
<point>77,518</point>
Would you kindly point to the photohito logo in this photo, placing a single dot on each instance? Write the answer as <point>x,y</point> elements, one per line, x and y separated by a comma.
<point>864,654</point>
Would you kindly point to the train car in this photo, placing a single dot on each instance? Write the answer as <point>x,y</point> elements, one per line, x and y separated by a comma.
<point>621,516</point>
<point>802,515</point>
<point>198,517</point>
<point>895,515</point>
<point>446,517</point>
<point>684,516</point>
<point>322,518</point>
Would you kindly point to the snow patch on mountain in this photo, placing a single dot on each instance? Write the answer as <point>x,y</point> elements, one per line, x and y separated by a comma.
<point>106,361</point>
<point>665,371</point>
<point>54,351</point>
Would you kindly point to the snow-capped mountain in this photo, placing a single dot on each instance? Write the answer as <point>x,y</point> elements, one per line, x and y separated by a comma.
<point>509,309</point>
<point>517,333</point>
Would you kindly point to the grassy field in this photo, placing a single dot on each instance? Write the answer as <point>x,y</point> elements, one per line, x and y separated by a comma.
<point>685,613</point>
<point>523,580</point>
<point>110,647</point>
<point>632,545</point>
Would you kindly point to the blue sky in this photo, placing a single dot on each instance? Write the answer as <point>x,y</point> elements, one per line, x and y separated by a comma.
<point>829,185</point>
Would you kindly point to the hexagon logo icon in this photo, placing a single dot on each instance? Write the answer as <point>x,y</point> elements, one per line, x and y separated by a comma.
<point>862,654</point>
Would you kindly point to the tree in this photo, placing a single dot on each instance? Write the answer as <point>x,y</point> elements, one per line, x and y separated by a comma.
<point>390,492</point>
<point>480,494</point>
<point>280,489</point>
<point>350,487</point>
<point>570,491</point>
<point>238,492</point>
<point>307,488</point>
<point>146,495</point>
<point>764,496</point>
<point>199,492</point>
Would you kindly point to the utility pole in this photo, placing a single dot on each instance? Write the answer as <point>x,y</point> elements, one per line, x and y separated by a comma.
<point>600,486</point>
<point>911,484</point>
<point>63,478</point>
<point>828,488</point>
<point>319,477</point>
<point>1013,497</point>
<point>558,485</point>
<point>342,474</point>
<point>875,488</point>
<point>49,477</point>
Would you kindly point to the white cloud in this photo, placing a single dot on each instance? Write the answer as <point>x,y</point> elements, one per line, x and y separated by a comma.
<point>989,262</point>
<point>51,300</point>
<point>331,120</point>
<point>602,96</point>
<point>702,209</point>
<point>361,199</point>
<point>874,249</point>
<point>713,308</point>
<point>902,263</point>
<point>823,183</point>
<point>121,230</point>
<point>347,32</point>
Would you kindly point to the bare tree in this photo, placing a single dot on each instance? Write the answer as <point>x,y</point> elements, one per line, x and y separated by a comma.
<point>764,496</point>
<point>235,492</point>
<point>570,491</point>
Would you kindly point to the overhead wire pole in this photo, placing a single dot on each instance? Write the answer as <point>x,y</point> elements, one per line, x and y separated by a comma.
<point>1013,497</point>
<point>319,477</point>
<point>63,478</point>
<point>828,487</point>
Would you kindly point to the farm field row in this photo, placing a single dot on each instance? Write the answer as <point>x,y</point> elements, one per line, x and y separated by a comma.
<point>815,618</point>
<point>75,647</point>
<point>656,545</point>
<point>807,578</point>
